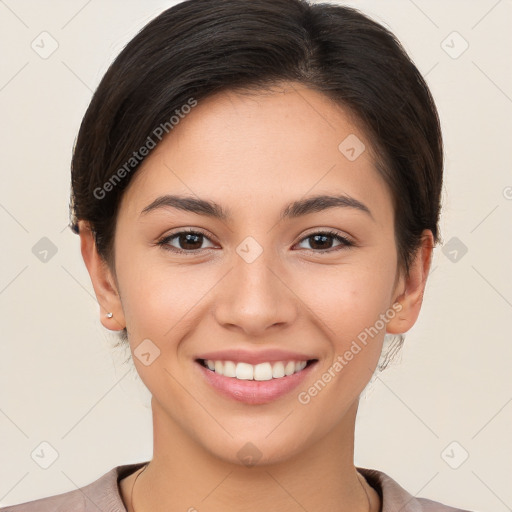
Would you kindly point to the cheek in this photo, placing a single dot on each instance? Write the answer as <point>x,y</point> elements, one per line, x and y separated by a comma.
<point>348,300</point>
<point>159,301</point>
<point>348,304</point>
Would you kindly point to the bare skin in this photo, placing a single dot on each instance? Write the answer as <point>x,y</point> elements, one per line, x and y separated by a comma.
<point>253,155</point>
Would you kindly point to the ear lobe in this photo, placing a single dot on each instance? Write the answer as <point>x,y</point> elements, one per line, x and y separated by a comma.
<point>413,287</point>
<point>102,280</point>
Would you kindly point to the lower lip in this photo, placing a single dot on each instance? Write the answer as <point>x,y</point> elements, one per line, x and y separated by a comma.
<point>255,391</point>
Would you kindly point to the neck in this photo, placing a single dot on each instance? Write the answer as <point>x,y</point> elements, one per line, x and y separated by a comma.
<point>183,475</point>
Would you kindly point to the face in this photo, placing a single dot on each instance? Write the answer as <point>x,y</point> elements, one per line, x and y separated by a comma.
<point>277,272</point>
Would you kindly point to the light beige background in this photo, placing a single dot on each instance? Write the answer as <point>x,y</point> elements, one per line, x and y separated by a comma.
<point>62,383</point>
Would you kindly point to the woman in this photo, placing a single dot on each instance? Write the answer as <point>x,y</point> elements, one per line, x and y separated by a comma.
<point>256,186</point>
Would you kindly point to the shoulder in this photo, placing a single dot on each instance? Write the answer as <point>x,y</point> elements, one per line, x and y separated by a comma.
<point>102,494</point>
<point>394,497</point>
<point>72,501</point>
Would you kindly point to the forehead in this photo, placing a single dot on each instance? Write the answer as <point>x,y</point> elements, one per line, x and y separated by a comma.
<point>263,148</point>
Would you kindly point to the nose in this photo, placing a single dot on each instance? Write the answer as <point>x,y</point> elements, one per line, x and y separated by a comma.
<point>254,297</point>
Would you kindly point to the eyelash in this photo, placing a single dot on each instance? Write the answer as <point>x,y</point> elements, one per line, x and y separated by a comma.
<point>345,242</point>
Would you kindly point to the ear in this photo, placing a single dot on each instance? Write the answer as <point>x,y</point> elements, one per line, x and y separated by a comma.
<point>409,291</point>
<point>102,279</point>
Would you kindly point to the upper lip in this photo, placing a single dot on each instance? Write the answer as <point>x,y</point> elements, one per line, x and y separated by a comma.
<point>255,357</point>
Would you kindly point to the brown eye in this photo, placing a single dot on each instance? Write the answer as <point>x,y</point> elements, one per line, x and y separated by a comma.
<point>184,241</point>
<point>323,241</point>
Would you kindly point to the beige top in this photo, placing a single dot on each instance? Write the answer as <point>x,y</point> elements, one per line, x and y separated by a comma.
<point>103,495</point>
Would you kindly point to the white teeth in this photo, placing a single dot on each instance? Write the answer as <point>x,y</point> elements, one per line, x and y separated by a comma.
<point>289,368</point>
<point>278,370</point>
<point>229,369</point>
<point>244,371</point>
<point>218,367</point>
<point>300,365</point>
<point>261,371</point>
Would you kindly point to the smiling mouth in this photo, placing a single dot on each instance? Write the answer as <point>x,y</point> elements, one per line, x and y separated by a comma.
<point>258,372</point>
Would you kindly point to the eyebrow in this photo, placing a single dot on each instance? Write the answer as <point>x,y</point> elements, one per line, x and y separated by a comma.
<point>293,210</point>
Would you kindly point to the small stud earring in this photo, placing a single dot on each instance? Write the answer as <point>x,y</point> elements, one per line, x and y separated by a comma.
<point>109,315</point>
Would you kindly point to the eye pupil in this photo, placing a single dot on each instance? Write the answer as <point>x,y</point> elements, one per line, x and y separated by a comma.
<point>322,239</point>
<point>190,238</point>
